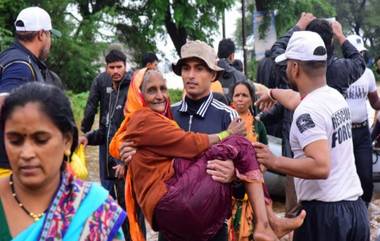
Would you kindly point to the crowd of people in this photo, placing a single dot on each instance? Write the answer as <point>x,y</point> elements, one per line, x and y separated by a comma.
<point>191,170</point>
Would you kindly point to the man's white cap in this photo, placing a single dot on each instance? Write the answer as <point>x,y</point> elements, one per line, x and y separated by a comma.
<point>34,19</point>
<point>357,41</point>
<point>304,46</point>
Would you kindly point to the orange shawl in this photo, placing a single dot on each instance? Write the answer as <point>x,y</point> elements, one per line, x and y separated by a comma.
<point>249,120</point>
<point>134,102</point>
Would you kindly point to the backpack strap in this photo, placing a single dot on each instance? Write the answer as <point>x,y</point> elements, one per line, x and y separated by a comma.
<point>3,67</point>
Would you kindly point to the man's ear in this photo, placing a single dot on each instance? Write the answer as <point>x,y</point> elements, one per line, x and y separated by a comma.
<point>296,68</point>
<point>40,35</point>
<point>231,58</point>
<point>214,76</point>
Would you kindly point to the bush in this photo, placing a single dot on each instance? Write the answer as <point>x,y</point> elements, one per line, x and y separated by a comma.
<point>175,95</point>
<point>78,104</point>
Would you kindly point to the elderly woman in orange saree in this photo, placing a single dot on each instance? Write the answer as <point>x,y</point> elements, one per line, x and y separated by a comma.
<point>167,175</point>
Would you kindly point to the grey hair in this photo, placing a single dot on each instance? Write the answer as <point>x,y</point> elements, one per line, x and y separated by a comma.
<point>147,75</point>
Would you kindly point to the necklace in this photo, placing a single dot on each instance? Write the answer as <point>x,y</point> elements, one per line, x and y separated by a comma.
<point>35,216</point>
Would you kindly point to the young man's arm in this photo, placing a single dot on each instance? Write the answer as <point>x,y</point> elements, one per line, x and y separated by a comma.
<point>345,71</point>
<point>224,170</point>
<point>280,45</point>
<point>290,99</point>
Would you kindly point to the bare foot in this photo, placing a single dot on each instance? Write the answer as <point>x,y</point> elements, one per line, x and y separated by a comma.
<point>263,232</point>
<point>282,226</point>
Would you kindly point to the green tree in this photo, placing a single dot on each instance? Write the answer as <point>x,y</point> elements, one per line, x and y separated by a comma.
<point>360,17</point>
<point>288,13</point>
<point>181,19</point>
<point>72,56</point>
<point>89,26</point>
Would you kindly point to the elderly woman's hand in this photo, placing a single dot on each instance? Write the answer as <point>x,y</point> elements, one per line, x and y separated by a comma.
<point>119,170</point>
<point>127,151</point>
<point>237,126</point>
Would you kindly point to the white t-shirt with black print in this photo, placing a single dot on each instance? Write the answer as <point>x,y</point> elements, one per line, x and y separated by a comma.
<point>324,115</point>
<point>356,96</point>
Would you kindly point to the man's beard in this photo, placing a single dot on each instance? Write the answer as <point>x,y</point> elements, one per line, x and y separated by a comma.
<point>292,85</point>
<point>44,54</point>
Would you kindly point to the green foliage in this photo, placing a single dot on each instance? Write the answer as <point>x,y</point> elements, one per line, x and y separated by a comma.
<point>8,12</point>
<point>175,95</point>
<point>361,17</point>
<point>252,69</point>
<point>79,100</point>
<point>89,26</point>
<point>288,13</point>
<point>184,19</point>
<point>78,104</point>
<point>73,56</point>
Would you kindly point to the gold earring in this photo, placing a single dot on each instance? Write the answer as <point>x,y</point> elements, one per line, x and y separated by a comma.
<point>67,153</point>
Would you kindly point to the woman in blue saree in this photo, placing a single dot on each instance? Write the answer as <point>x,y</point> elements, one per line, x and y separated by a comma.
<point>41,200</point>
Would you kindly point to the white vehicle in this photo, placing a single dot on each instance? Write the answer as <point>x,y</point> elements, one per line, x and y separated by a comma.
<point>276,182</point>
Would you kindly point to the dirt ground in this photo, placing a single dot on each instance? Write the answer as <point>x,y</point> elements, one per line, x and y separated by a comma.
<point>374,209</point>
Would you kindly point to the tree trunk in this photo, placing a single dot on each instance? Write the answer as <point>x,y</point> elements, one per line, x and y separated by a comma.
<point>261,5</point>
<point>177,34</point>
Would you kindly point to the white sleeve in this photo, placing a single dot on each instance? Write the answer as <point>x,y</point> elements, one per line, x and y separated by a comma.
<point>310,126</point>
<point>371,81</point>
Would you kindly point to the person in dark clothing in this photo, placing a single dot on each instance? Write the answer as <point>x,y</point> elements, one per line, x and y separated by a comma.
<point>359,93</point>
<point>341,72</point>
<point>149,61</point>
<point>230,74</point>
<point>265,68</point>
<point>109,91</point>
<point>237,64</point>
<point>24,60</point>
<point>327,184</point>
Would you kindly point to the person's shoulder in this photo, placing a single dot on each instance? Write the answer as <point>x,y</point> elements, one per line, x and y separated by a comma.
<point>316,101</point>
<point>223,108</point>
<point>20,70</point>
<point>101,77</point>
<point>176,105</point>
<point>368,73</point>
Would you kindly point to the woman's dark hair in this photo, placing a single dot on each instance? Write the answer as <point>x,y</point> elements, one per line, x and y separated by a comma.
<point>251,91</point>
<point>53,103</point>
